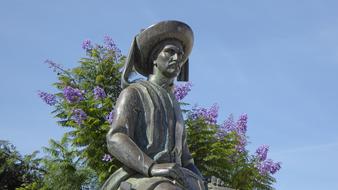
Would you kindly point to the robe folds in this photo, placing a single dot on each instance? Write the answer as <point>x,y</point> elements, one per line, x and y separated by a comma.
<point>151,117</point>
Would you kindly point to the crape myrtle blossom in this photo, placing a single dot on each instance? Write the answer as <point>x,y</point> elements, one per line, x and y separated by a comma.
<point>49,99</point>
<point>99,93</point>
<point>108,49</point>
<point>87,45</point>
<point>111,46</point>
<point>209,115</point>
<point>262,152</point>
<point>107,158</point>
<point>239,127</point>
<point>242,123</point>
<point>182,90</point>
<point>227,127</point>
<point>241,144</point>
<point>109,43</point>
<point>79,115</point>
<point>263,164</point>
<point>268,166</point>
<point>110,117</point>
<point>72,95</point>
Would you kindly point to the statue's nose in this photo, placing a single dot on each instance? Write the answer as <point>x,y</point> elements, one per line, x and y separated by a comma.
<point>175,57</point>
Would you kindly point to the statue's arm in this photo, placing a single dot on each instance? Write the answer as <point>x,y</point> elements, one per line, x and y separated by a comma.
<point>119,137</point>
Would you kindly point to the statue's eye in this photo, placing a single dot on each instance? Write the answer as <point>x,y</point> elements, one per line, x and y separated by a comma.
<point>170,51</point>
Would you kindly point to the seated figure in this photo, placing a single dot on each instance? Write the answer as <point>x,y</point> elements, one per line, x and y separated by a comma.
<point>148,133</point>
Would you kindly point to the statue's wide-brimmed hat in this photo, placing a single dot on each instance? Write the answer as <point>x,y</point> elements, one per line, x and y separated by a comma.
<point>149,38</point>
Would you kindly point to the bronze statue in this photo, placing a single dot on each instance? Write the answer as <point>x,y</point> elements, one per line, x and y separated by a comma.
<point>148,134</point>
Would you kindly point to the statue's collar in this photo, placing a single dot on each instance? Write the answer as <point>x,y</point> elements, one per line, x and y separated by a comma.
<point>162,82</point>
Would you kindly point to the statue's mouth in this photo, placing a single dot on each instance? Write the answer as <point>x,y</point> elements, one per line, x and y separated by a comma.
<point>173,63</point>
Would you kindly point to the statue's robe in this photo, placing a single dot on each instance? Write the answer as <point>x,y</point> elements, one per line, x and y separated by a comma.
<point>152,118</point>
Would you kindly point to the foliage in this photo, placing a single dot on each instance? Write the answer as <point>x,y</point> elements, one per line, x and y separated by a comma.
<point>62,169</point>
<point>84,103</point>
<point>65,169</point>
<point>219,150</point>
<point>17,170</point>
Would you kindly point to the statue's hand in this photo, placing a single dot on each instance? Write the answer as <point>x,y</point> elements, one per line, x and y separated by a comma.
<point>171,170</point>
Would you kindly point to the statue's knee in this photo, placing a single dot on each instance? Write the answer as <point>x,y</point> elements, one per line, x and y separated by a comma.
<point>167,186</point>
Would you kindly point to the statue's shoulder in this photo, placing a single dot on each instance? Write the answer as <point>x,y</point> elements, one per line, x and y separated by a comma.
<point>139,86</point>
<point>136,89</point>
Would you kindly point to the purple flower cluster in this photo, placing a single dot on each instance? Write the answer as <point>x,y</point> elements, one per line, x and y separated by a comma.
<point>265,165</point>
<point>73,95</point>
<point>87,45</point>
<point>79,115</point>
<point>109,43</point>
<point>262,152</point>
<point>181,91</point>
<point>241,144</point>
<point>227,126</point>
<point>107,50</point>
<point>53,65</point>
<point>49,99</point>
<point>99,93</point>
<point>111,46</point>
<point>268,166</point>
<point>110,117</point>
<point>107,158</point>
<point>242,123</point>
<point>239,127</point>
<point>209,115</point>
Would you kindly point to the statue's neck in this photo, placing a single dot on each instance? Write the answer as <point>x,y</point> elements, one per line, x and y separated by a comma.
<point>163,81</point>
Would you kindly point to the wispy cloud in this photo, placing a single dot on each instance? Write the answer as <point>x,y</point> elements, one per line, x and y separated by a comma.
<point>310,148</point>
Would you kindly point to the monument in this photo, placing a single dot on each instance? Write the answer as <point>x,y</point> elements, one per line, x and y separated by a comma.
<point>148,134</point>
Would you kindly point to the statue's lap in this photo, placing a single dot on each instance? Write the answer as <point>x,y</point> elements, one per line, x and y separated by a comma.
<point>140,182</point>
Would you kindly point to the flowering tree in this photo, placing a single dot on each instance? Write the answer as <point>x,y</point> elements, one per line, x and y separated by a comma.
<point>220,150</point>
<point>84,102</point>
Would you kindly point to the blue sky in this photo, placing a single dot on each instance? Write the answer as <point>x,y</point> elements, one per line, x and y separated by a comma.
<point>277,61</point>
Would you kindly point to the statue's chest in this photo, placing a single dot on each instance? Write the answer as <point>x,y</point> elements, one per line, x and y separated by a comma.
<point>163,124</point>
<point>169,129</point>
<point>169,120</point>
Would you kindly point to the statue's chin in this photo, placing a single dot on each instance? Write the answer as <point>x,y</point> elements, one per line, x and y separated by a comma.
<point>171,73</point>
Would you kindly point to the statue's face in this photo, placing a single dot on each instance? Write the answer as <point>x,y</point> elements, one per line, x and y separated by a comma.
<point>169,60</point>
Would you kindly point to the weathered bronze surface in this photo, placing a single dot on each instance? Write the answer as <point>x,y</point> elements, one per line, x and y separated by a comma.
<point>148,134</point>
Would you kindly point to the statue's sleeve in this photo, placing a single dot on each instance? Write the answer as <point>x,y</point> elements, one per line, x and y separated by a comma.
<point>120,137</point>
<point>126,112</point>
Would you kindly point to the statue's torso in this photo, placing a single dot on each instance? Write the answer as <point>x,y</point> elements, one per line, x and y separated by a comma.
<point>160,127</point>
<point>153,120</point>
